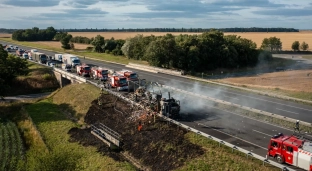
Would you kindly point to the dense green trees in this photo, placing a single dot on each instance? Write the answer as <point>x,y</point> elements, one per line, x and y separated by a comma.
<point>10,68</point>
<point>272,44</point>
<point>34,34</point>
<point>295,46</point>
<point>81,39</point>
<point>195,53</point>
<point>304,46</point>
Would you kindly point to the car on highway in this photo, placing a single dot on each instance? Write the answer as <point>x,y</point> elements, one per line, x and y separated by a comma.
<point>8,49</point>
<point>25,55</point>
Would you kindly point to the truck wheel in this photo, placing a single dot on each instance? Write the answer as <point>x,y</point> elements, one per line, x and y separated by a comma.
<point>279,159</point>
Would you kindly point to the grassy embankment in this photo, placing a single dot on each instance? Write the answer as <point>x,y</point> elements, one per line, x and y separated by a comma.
<point>44,125</point>
<point>53,118</point>
<point>40,79</point>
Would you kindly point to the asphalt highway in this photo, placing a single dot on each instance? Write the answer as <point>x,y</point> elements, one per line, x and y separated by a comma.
<point>243,132</point>
<point>278,106</point>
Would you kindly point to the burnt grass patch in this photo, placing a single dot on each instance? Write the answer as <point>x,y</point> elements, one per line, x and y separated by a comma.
<point>158,146</point>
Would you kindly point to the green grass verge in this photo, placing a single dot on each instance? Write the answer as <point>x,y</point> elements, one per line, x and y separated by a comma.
<point>94,55</point>
<point>221,157</point>
<point>40,79</point>
<point>62,154</point>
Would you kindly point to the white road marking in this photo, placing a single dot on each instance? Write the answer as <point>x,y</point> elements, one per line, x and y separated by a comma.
<point>288,111</point>
<point>236,93</point>
<point>262,133</point>
<point>231,135</point>
<point>254,119</point>
<point>231,97</point>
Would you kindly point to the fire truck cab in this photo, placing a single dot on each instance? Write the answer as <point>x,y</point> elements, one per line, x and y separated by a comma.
<point>118,81</point>
<point>291,150</point>
<point>83,70</point>
<point>99,73</point>
<point>130,75</point>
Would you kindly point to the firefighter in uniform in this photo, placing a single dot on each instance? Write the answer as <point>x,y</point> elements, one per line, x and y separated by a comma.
<point>296,128</point>
<point>140,126</point>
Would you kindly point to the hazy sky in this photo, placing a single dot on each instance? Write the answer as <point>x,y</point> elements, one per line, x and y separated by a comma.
<point>155,13</point>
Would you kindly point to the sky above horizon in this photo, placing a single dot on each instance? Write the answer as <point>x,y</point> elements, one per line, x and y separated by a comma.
<point>113,14</point>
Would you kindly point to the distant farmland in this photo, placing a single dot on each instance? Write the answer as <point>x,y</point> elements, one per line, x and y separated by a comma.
<point>286,38</point>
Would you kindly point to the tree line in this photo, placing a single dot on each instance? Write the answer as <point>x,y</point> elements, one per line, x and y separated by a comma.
<point>274,44</point>
<point>10,67</point>
<point>195,53</point>
<point>99,43</point>
<point>34,34</point>
<point>199,30</point>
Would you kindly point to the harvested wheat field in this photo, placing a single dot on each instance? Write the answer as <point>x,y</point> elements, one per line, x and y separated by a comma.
<point>286,38</point>
<point>300,80</point>
<point>55,44</point>
<point>5,35</point>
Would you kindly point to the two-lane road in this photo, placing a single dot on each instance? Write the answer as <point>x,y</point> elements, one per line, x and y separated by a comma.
<point>278,106</point>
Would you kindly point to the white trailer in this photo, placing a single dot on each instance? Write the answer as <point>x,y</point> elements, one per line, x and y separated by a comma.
<point>39,57</point>
<point>58,57</point>
<point>71,60</point>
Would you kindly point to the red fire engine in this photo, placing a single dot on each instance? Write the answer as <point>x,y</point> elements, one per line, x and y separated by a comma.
<point>118,81</point>
<point>83,70</point>
<point>292,150</point>
<point>131,76</point>
<point>99,73</point>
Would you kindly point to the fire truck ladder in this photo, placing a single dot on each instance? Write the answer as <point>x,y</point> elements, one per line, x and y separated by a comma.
<point>106,134</point>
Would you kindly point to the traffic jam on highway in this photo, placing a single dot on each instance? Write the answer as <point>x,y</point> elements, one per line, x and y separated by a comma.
<point>289,149</point>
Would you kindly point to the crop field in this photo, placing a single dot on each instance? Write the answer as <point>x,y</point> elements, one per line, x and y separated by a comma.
<point>286,38</point>
<point>281,80</point>
<point>55,44</point>
<point>4,35</point>
<point>11,146</point>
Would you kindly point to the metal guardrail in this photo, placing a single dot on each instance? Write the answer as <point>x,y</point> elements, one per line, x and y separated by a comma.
<point>161,70</point>
<point>239,106</point>
<point>71,75</point>
<point>106,133</point>
<point>234,147</point>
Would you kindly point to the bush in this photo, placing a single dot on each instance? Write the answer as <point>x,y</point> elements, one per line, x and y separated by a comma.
<point>48,77</point>
<point>107,51</point>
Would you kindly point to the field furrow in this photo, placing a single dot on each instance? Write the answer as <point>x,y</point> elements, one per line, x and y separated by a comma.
<point>11,146</point>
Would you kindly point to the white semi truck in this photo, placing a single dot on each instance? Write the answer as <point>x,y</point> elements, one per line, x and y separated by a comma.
<point>58,57</point>
<point>39,57</point>
<point>71,60</point>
